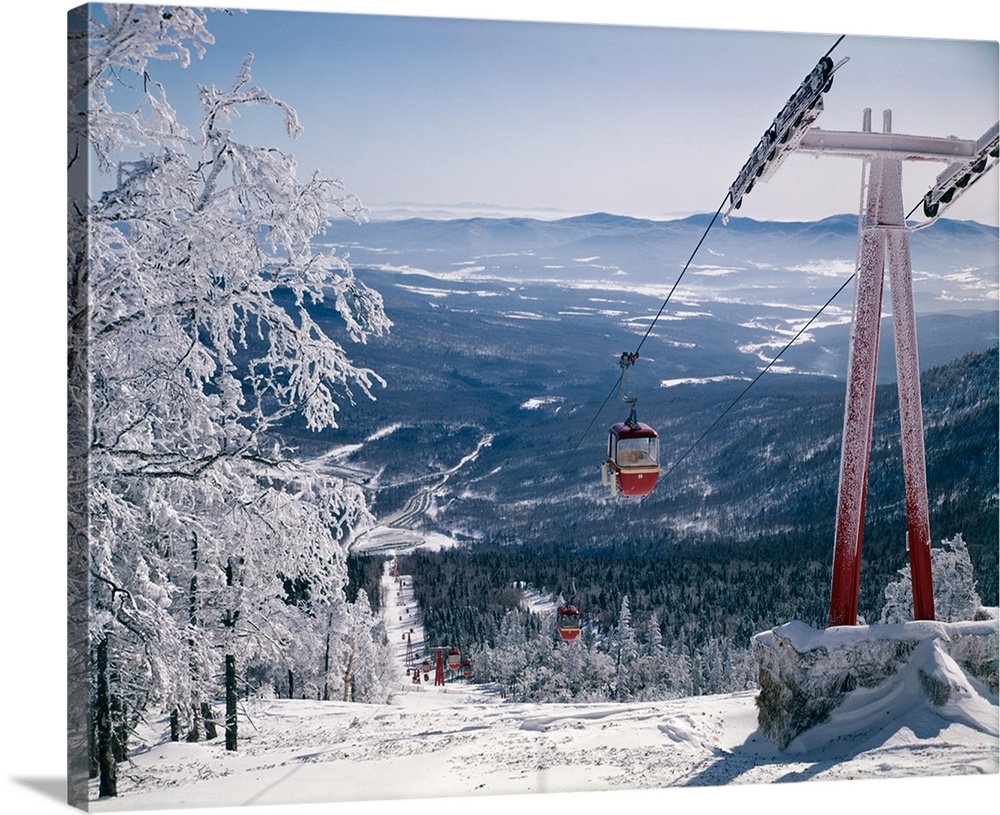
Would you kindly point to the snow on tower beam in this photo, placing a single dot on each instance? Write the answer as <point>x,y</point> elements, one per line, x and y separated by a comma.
<point>968,159</point>
<point>863,144</point>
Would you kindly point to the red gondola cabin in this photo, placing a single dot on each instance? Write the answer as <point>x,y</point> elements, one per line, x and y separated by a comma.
<point>633,462</point>
<point>568,622</point>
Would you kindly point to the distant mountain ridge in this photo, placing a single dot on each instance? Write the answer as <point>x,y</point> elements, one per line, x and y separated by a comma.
<point>598,221</point>
<point>955,262</point>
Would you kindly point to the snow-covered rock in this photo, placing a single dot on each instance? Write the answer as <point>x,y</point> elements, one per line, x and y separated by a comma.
<point>805,674</point>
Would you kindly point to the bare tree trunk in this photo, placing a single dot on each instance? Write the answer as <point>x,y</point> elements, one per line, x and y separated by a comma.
<point>229,621</point>
<point>208,717</point>
<point>194,732</point>
<point>198,708</point>
<point>326,666</point>
<point>119,714</point>
<point>231,702</point>
<point>108,767</point>
<point>349,672</point>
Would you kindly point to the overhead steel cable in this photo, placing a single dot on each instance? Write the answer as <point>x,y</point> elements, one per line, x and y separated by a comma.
<point>681,275</point>
<point>763,371</point>
<point>808,93</point>
<point>659,313</point>
<point>832,47</point>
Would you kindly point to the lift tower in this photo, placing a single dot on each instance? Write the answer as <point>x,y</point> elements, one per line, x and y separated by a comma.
<point>883,241</point>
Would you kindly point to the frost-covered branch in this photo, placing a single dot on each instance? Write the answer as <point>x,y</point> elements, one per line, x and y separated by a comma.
<point>193,286</point>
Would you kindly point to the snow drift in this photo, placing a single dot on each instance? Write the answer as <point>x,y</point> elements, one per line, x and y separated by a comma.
<point>806,674</point>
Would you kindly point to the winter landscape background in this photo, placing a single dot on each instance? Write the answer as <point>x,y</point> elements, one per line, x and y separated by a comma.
<point>709,733</point>
<point>449,457</point>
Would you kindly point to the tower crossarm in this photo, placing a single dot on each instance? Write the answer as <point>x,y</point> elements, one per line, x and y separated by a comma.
<point>968,160</point>
<point>861,144</point>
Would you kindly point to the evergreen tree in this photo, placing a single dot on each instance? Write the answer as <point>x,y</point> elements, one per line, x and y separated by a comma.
<point>626,653</point>
<point>368,653</point>
<point>955,595</point>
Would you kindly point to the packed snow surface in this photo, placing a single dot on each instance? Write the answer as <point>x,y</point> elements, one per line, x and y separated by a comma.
<point>463,739</point>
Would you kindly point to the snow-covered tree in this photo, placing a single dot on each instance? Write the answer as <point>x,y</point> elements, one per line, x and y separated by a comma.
<point>653,672</point>
<point>626,653</point>
<point>509,658</point>
<point>956,597</point>
<point>193,283</point>
<point>366,668</point>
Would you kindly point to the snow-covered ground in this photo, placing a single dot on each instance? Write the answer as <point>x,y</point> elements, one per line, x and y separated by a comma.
<point>463,740</point>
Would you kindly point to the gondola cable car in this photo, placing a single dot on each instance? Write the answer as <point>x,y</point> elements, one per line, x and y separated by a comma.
<point>568,622</point>
<point>632,466</point>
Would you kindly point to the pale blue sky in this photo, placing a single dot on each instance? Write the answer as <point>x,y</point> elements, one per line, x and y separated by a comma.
<point>574,117</point>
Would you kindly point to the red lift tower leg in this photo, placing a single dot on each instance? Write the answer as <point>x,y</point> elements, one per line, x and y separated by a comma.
<point>858,419</point>
<point>911,422</point>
